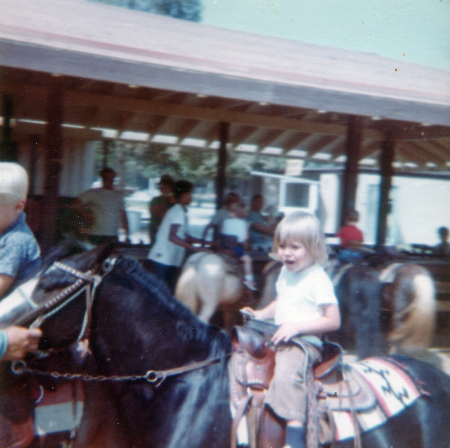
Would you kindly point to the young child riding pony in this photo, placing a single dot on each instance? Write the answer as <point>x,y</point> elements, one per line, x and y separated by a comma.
<point>305,306</point>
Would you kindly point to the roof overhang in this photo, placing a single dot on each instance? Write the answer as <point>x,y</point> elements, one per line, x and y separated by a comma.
<point>91,41</point>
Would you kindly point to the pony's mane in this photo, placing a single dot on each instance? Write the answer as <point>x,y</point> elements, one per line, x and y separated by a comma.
<point>187,323</point>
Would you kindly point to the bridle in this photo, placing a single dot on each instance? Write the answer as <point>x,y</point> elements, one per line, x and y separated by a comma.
<point>86,282</point>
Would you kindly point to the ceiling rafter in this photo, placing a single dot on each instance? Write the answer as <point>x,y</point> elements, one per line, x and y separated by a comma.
<point>185,129</point>
<point>336,147</point>
<point>427,152</point>
<point>405,148</point>
<point>268,137</point>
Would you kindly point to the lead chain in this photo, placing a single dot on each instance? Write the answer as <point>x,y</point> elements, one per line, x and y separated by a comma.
<point>20,367</point>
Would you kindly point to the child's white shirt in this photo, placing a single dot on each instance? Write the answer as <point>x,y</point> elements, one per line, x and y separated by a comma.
<point>237,227</point>
<point>300,295</point>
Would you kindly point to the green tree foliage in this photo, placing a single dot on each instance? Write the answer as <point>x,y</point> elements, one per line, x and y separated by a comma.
<point>139,162</point>
<point>179,9</point>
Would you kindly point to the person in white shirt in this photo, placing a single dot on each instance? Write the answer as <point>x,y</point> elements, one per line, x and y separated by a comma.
<point>234,237</point>
<point>172,239</point>
<point>107,207</point>
<point>219,217</point>
<point>305,306</point>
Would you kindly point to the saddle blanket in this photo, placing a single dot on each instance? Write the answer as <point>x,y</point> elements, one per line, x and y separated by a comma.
<point>394,390</point>
<point>59,410</point>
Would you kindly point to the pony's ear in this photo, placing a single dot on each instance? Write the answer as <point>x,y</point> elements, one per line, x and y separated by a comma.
<point>62,250</point>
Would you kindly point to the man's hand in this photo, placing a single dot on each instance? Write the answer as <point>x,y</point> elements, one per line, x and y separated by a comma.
<point>20,342</point>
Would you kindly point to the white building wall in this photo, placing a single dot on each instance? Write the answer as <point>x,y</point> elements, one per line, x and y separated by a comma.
<point>77,172</point>
<point>419,207</point>
<point>422,206</point>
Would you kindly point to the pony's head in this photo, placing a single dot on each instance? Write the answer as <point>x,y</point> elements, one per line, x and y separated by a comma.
<point>53,288</point>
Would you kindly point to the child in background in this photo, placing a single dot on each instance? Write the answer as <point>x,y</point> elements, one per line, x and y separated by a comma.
<point>443,248</point>
<point>234,237</point>
<point>305,306</point>
<point>351,239</point>
<point>19,251</point>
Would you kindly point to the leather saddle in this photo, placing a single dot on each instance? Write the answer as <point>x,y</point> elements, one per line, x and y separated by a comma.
<point>251,370</point>
<point>25,402</point>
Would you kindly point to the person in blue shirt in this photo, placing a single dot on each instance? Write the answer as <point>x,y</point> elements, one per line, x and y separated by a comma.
<point>19,250</point>
<point>260,233</point>
<point>19,255</point>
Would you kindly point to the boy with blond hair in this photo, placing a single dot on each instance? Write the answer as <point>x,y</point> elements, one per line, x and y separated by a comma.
<point>19,250</point>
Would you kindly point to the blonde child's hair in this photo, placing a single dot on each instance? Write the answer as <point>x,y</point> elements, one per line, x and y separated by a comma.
<point>305,228</point>
<point>13,183</point>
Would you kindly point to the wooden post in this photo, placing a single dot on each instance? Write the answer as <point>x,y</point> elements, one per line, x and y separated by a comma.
<point>105,152</point>
<point>32,173</point>
<point>53,142</point>
<point>6,146</point>
<point>350,180</point>
<point>221,164</point>
<point>386,171</point>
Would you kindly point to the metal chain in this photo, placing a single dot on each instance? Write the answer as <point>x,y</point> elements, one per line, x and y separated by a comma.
<point>156,377</point>
<point>20,367</point>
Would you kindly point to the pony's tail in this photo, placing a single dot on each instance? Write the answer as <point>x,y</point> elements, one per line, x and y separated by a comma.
<point>414,325</point>
<point>186,288</point>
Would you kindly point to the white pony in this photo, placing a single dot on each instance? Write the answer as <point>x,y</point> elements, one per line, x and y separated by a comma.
<point>210,281</point>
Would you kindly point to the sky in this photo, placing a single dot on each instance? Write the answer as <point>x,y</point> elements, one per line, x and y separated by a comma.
<point>415,31</point>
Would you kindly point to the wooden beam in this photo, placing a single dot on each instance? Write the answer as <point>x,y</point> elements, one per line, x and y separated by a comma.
<point>336,147</point>
<point>429,152</point>
<point>22,132</point>
<point>418,132</point>
<point>293,140</point>
<point>221,164</point>
<point>6,144</point>
<point>32,172</point>
<point>411,153</point>
<point>53,141</point>
<point>267,138</point>
<point>386,170</point>
<point>351,166</point>
<point>241,133</point>
<point>203,113</point>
